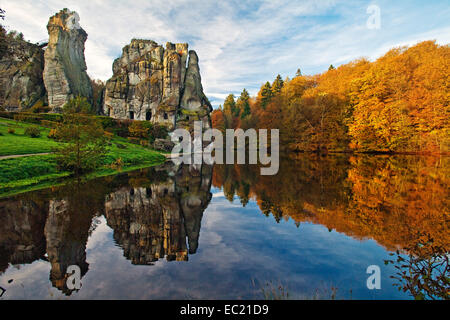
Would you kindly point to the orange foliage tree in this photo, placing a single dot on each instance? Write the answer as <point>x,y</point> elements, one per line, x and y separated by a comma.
<point>398,103</point>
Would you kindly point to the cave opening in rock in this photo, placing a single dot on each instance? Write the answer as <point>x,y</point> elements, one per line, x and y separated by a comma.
<point>131,115</point>
<point>148,116</point>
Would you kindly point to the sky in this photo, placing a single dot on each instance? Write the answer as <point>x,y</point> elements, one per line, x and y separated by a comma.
<point>243,44</point>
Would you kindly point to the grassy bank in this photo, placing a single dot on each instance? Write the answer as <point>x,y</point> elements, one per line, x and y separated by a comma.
<point>19,143</point>
<point>19,175</point>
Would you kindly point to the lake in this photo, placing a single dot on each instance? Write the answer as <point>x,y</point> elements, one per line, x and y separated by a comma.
<point>226,232</point>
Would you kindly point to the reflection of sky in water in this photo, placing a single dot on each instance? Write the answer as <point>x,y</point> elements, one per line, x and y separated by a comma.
<point>236,245</point>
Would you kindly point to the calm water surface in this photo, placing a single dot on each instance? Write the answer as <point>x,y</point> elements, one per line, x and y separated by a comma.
<point>225,232</point>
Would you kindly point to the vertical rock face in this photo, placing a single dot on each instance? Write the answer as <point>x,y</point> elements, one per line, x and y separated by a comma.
<point>148,83</point>
<point>21,68</point>
<point>194,105</point>
<point>65,74</point>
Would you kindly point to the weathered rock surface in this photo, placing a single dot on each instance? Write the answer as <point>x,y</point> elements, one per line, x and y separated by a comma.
<point>65,74</point>
<point>149,83</point>
<point>194,105</point>
<point>21,68</point>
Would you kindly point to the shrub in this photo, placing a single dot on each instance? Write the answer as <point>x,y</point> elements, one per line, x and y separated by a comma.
<point>117,165</point>
<point>158,132</point>
<point>121,146</point>
<point>49,124</point>
<point>106,122</point>
<point>8,115</point>
<point>138,130</point>
<point>121,127</point>
<point>53,134</point>
<point>28,117</point>
<point>33,132</point>
<point>133,140</point>
<point>39,107</point>
<point>56,117</point>
<point>144,143</point>
<point>108,135</point>
<point>78,105</point>
<point>11,131</point>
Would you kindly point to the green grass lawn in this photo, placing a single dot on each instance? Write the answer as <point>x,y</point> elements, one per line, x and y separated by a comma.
<point>28,173</point>
<point>19,143</point>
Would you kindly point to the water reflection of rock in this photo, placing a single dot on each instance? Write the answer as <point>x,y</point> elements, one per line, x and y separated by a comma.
<point>153,222</point>
<point>155,214</point>
<point>37,227</point>
<point>66,232</point>
<point>22,237</point>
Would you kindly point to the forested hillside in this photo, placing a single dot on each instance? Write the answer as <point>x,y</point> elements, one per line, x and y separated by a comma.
<point>398,103</point>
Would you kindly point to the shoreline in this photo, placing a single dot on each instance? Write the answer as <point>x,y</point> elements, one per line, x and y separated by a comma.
<point>63,179</point>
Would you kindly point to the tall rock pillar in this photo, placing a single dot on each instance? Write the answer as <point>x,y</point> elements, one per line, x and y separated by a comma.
<point>65,68</point>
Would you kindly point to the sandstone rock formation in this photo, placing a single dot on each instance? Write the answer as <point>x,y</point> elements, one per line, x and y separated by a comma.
<point>65,74</point>
<point>22,237</point>
<point>21,68</point>
<point>153,83</point>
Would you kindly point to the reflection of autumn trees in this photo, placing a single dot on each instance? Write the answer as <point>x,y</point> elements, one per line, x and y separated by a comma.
<point>389,199</point>
<point>401,196</point>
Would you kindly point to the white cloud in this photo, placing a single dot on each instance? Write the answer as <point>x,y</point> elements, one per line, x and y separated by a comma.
<point>240,44</point>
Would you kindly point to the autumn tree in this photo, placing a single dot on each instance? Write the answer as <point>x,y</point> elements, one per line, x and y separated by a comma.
<point>229,106</point>
<point>139,129</point>
<point>398,103</point>
<point>83,136</point>
<point>401,102</point>
<point>218,120</point>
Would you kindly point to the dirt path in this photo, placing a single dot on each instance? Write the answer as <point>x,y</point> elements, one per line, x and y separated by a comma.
<point>23,155</point>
